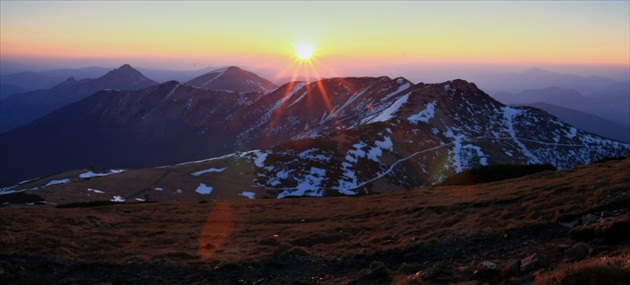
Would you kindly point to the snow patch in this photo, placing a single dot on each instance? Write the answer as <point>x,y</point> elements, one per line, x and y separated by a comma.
<point>95,190</point>
<point>310,185</point>
<point>117,199</point>
<point>91,174</point>
<point>509,114</point>
<point>158,189</point>
<point>216,71</point>
<point>204,189</point>
<point>424,115</point>
<point>60,181</point>
<point>388,113</point>
<point>260,158</point>
<point>209,170</point>
<point>249,195</point>
<point>400,89</point>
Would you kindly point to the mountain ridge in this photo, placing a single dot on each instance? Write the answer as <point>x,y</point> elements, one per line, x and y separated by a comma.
<point>232,78</point>
<point>340,135</point>
<point>21,109</point>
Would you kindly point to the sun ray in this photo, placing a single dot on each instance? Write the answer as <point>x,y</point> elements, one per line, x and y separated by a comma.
<point>324,93</point>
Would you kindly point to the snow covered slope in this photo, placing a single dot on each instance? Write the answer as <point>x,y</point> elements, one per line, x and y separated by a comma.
<point>351,136</point>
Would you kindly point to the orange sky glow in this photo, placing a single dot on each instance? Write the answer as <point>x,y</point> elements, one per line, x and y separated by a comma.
<point>349,37</point>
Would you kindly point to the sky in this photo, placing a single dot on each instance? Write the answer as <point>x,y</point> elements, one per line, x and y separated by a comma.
<point>349,37</point>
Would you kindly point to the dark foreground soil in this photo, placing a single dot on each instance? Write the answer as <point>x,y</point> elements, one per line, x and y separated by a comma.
<point>542,229</point>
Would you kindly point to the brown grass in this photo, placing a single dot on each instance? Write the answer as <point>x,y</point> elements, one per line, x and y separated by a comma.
<point>613,270</point>
<point>245,231</point>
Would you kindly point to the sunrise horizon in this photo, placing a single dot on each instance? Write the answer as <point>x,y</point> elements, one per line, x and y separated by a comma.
<point>382,37</point>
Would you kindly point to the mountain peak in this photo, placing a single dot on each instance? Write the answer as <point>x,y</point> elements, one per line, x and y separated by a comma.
<point>124,69</point>
<point>233,68</point>
<point>536,71</point>
<point>232,78</point>
<point>127,76</point>
<point>70,81</point>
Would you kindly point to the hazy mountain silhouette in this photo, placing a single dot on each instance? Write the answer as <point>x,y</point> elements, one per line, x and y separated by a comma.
<point>232,78</point>
<point>536,78</point>
<point>21,109</point>
<point>585,121</point>
<point>30,81</point>
<point>614,106</point>
<point>164,75</point>
<point>7,90</point>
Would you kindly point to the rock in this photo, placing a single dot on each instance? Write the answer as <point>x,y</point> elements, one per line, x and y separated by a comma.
<point>563,246</point>
<point>487,271</point>
<point>533,262</point>
<point>589,219</point>
<point>486,265</point>
<point>376,272</point>
<point>570,224</point>
<point>439,274</point>
<point>511,268</point>
<point>578,251</point>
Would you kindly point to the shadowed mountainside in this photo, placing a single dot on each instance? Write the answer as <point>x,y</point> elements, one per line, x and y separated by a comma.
<point>21,109</point>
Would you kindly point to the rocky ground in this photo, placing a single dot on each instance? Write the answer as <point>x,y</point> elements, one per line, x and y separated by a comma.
<point>563,227</point>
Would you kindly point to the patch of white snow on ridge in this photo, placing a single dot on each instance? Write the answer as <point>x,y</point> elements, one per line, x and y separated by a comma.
<point>386,143</point>
<point>457,148</point>
<point>158,189</point>
<point>309,185</point>
<point>204,189</point>
<point>95,190</point>
<point>298,86</point>
<point>572,133</point>
<point>170,93</point>
<point>259,161</point>
<point>209,170</point>
<point>310,154</point>
<point>249,195</point>
<point>388,113</point>
<point>117,199</point>
<point>424,115</point>
<point>508,114</point>
<point>91,174</point>
<point>337,112</point>
<point>400,89</point>
<point>203,160</point>
<point>60,181</point>
<point>375,152</point>
<point>216,71</point>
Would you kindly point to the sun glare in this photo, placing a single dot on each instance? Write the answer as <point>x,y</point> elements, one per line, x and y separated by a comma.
<point>304,52</point>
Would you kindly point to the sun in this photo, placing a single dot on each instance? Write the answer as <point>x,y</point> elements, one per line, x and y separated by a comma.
<point>304,52</point>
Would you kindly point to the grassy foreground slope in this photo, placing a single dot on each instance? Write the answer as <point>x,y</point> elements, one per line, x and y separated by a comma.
<point>451,234</point>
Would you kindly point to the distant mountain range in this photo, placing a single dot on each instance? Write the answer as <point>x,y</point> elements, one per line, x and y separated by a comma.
<point>29,80</point>
<point>333,136</point>
<point>612,106</point>
<point>7,90</point>
<point>24,81</point>
<point>588,122</point>
<point>21,109</point>
<point>536,78</point>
